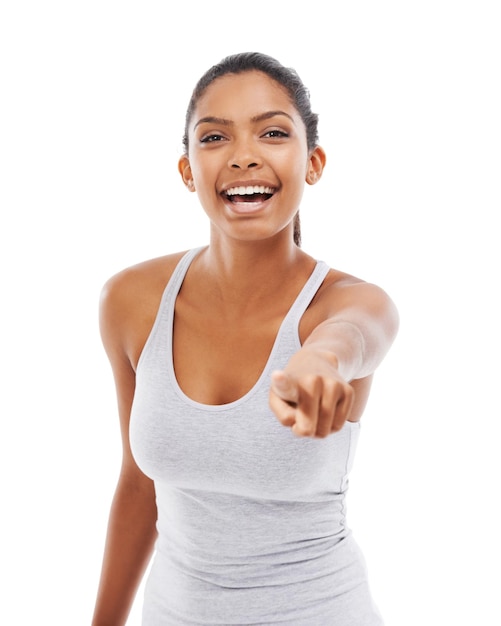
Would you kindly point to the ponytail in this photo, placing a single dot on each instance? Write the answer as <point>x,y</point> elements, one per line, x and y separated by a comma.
<point>297,230</point>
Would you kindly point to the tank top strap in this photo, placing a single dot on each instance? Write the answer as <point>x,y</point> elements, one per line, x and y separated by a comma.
<point>308,292</point>
<point>160,334</point>
<point>180,270</point>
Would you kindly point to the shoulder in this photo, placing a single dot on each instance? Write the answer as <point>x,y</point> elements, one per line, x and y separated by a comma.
<point>340,290</point>
<point>143,279</point>
<point>141,276</point>
<point>344,297</point>
<point>129,301</point>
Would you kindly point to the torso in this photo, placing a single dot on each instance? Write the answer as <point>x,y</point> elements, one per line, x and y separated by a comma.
<point>234,471</point>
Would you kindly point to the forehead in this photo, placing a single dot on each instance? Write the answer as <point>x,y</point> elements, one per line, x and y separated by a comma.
<point>244,95</point>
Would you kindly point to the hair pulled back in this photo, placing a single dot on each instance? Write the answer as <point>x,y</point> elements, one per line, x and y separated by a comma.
<point>287,77</point>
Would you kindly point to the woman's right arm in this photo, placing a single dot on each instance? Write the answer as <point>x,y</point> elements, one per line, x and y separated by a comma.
<point>131,530</point>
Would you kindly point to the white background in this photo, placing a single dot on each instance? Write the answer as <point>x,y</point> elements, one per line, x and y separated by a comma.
<point>93,96</point>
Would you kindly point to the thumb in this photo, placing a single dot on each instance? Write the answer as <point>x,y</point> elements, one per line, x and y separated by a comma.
<point>282,385</point>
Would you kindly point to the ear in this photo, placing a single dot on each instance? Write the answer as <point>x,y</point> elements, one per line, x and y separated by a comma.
<point>316,164</point>
<point>184,169</point>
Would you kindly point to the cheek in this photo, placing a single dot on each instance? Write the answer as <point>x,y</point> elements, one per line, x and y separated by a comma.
<point>205,181</point>
<point>297,173</point>
<point>293,164</point>
<point>205,166</point>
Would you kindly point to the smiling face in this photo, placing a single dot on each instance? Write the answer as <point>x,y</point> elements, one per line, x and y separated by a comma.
<point>248,157</point>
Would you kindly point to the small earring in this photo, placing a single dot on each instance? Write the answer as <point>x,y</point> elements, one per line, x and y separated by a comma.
<point>190,184</point>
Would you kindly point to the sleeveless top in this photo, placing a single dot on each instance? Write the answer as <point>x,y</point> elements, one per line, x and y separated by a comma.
<point>251,519</point>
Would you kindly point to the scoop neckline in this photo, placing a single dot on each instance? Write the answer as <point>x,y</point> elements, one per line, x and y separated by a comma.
<point>216,408</point>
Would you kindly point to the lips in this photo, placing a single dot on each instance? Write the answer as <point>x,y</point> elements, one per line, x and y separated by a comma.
<point>249,193</point>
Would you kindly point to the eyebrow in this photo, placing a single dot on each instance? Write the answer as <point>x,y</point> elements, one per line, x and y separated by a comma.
<point>210,119</point>
<point>269,114</point>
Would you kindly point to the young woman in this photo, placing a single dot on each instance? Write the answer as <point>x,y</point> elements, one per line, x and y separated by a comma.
<point>242,370</point>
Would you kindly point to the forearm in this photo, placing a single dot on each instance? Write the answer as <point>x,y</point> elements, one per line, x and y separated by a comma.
<point>129,544</point>
<point>356,343</point>
<point>342,346</point>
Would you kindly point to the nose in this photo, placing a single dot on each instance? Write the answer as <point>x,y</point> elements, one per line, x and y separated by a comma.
<point>239,166</point>
<point>244,157</point>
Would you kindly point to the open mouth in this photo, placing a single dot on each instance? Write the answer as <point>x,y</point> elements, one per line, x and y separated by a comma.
<point>251,193</point>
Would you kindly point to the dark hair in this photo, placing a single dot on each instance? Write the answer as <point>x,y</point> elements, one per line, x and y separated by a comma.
<point>284,76</point>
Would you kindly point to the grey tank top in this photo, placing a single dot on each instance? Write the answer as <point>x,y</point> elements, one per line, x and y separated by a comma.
<point>251,519</point>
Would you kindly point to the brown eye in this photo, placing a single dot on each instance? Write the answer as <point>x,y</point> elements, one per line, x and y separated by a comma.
<point>276,134</point>
<point>211,138</point>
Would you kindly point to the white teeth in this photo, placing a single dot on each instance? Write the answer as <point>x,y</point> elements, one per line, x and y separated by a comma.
<point>248,191</point>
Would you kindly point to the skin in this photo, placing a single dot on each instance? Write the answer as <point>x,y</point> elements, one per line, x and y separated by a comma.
<point>235,295</point>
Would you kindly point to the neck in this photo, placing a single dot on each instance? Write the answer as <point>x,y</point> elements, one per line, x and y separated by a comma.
<point>249,272</point>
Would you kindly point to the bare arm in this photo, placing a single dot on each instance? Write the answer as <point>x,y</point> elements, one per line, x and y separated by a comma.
<point>315,393</point>
<point>131,528</point>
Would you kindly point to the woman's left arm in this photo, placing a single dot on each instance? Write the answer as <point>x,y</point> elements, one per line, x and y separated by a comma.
<point>314,393</point>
